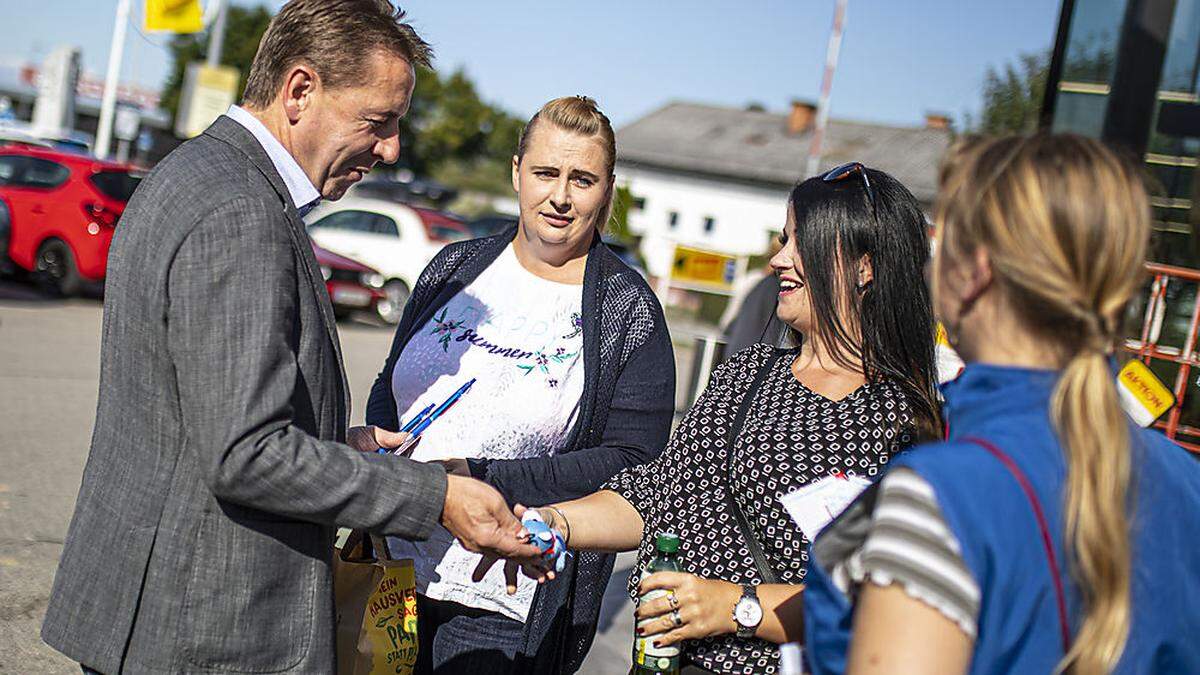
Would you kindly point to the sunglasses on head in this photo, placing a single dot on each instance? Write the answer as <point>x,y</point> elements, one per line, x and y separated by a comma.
<point>844,171</point>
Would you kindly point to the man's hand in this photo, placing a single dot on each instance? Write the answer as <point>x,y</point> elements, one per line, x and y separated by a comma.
<point>476,513</point>
<point>534,567</point>
<point>371,438</point>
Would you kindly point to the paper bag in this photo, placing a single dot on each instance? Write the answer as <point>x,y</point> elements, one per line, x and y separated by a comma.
<point>376,601</point>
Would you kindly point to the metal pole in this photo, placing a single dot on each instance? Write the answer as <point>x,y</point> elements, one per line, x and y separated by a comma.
<point>216,39</point>
<point>108,103</point>
<point>831,60</point>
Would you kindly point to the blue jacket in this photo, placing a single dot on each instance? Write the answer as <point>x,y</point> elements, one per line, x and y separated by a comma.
<point>985,507</point>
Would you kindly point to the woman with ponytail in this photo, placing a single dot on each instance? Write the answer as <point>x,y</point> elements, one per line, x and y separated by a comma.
<point>1047,533</point>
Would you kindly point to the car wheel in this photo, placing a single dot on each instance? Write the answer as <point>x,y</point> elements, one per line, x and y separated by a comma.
<point>391,307</point>
<point>55,269</point>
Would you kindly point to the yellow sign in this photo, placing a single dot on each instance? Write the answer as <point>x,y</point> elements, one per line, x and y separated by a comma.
<point>1143,395</point>
<point>943,338</point>
<point>390,622</point>
<point>207,92</point>
<point>174,16</point>
<point>693,266</point>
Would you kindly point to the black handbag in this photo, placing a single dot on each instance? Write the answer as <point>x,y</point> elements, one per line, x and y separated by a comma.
<point>760,558</point>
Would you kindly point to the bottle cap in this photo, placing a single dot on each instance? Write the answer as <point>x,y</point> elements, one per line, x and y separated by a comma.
<point>667,542</point>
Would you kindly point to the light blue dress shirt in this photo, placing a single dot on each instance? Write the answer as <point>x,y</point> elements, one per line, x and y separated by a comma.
<point>304,195</point>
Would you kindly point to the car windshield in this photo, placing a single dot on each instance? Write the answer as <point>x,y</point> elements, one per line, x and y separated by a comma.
<point>118,185</point>
<point>448,233</point>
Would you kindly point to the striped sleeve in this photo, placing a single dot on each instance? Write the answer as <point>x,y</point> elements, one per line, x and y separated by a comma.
<point>911,544</point>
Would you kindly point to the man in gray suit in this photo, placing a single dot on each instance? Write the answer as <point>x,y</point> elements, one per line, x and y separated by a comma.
<point>219,464</point>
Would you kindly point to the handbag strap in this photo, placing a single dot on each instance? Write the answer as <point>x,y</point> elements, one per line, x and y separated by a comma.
<point>361,546</point>
<point>760,558</point>
<point>1047,542</point>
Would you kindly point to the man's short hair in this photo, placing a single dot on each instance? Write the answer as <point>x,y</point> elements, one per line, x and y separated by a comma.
<point>334,38</point>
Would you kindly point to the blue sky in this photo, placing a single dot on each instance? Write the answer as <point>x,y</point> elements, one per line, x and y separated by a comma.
<point>900,58</point>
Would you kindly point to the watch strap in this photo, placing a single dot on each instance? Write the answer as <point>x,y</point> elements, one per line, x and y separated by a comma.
<point>749,592</point>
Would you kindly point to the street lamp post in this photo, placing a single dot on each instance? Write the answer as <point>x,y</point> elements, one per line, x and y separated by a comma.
<point>108,102</point>
<point>831,60</point>
<point>216,38</point>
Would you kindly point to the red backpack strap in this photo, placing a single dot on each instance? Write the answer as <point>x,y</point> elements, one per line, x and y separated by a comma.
<point>1047,542</point>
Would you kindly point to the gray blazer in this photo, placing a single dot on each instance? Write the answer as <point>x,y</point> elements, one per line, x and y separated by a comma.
<point>202,534</point>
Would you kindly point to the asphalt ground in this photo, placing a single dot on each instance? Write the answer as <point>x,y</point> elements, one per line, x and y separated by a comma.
<point>49,370</point>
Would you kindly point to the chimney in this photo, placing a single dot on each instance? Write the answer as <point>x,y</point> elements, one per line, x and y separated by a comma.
<point>937,121</point>
<point>801,118</point>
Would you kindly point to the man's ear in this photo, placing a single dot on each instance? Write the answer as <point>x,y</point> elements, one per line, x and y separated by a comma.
<point>298,90</point>
<point>516,174</point>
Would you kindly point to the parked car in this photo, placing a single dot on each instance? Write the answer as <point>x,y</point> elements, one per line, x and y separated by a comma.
<point>486,226</point>
<point>396,239</point>
<point>352,285</point>
<point>58,211</point>
<point>76,142</point>
<point>627,255</point>
<point>444,226</point>
<point>416,191</point>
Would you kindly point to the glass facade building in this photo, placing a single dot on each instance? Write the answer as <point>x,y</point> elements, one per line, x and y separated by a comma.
<point>1128,71</point>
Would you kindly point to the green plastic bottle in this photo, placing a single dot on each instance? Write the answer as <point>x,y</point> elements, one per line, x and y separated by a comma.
<point>648,659</point>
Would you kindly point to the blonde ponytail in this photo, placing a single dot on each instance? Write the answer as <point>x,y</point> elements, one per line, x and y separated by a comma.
<point>1065,224</point>
<point>1095,435</point>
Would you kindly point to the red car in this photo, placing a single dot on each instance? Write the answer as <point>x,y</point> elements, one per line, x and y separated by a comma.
<point>442,226</point>
<point>351,284</point>
<point>58,211</point>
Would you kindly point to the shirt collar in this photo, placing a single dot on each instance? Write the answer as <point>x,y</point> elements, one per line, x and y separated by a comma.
<point>300,188</point>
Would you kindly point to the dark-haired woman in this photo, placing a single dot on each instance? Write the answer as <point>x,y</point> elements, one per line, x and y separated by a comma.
<point>857,389</point>
<point>1047,534</point>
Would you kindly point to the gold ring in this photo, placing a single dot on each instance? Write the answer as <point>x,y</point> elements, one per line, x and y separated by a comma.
<point>675,618</point>
<point>673,600</point>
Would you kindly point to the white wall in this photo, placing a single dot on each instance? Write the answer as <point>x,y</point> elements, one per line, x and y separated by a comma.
<point>745,217</point>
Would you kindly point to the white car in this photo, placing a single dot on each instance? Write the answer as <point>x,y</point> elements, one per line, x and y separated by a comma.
<point>396,239</point>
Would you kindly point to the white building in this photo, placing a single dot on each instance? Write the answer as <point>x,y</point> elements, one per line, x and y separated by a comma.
<point>718,178</point>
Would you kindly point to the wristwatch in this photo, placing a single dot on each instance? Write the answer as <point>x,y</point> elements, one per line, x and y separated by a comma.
<point>747,613</point>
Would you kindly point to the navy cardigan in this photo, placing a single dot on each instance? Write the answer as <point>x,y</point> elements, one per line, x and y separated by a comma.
<point>625,419</point>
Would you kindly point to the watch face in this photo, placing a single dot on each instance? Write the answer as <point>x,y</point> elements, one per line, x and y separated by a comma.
<point>748,612</point>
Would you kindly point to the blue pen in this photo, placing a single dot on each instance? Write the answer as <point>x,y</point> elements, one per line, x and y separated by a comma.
<point>441,409</point>
<point>409,426</point>
<point>412,424</point>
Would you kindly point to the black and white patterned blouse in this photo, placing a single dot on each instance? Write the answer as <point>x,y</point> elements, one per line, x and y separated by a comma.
<point>791,436</point>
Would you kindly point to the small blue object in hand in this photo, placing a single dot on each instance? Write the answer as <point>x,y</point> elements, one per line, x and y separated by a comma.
<point>549,542</point>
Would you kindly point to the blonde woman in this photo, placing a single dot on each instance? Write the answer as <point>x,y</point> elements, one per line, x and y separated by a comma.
<point>1048,533</point>
<point>574,380</point>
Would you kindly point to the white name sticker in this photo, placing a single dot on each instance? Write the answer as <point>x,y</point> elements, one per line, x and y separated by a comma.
<point>815,505</point>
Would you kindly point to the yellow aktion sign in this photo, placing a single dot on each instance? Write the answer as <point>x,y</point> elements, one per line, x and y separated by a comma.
<point>1143,395</point>
<point>704,269</point>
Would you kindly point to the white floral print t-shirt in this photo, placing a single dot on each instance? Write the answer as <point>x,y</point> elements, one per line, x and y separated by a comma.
<point>521,338</point>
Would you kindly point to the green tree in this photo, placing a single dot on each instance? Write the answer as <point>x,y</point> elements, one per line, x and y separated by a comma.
<point>618,222</point>
<point>1012,97</point>
<point>450,133</point>
<point>243,30</point>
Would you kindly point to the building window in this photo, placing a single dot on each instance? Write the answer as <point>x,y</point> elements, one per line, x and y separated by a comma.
<point>710,224</point>
<point>672,218</point>
<point>637,204</point>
